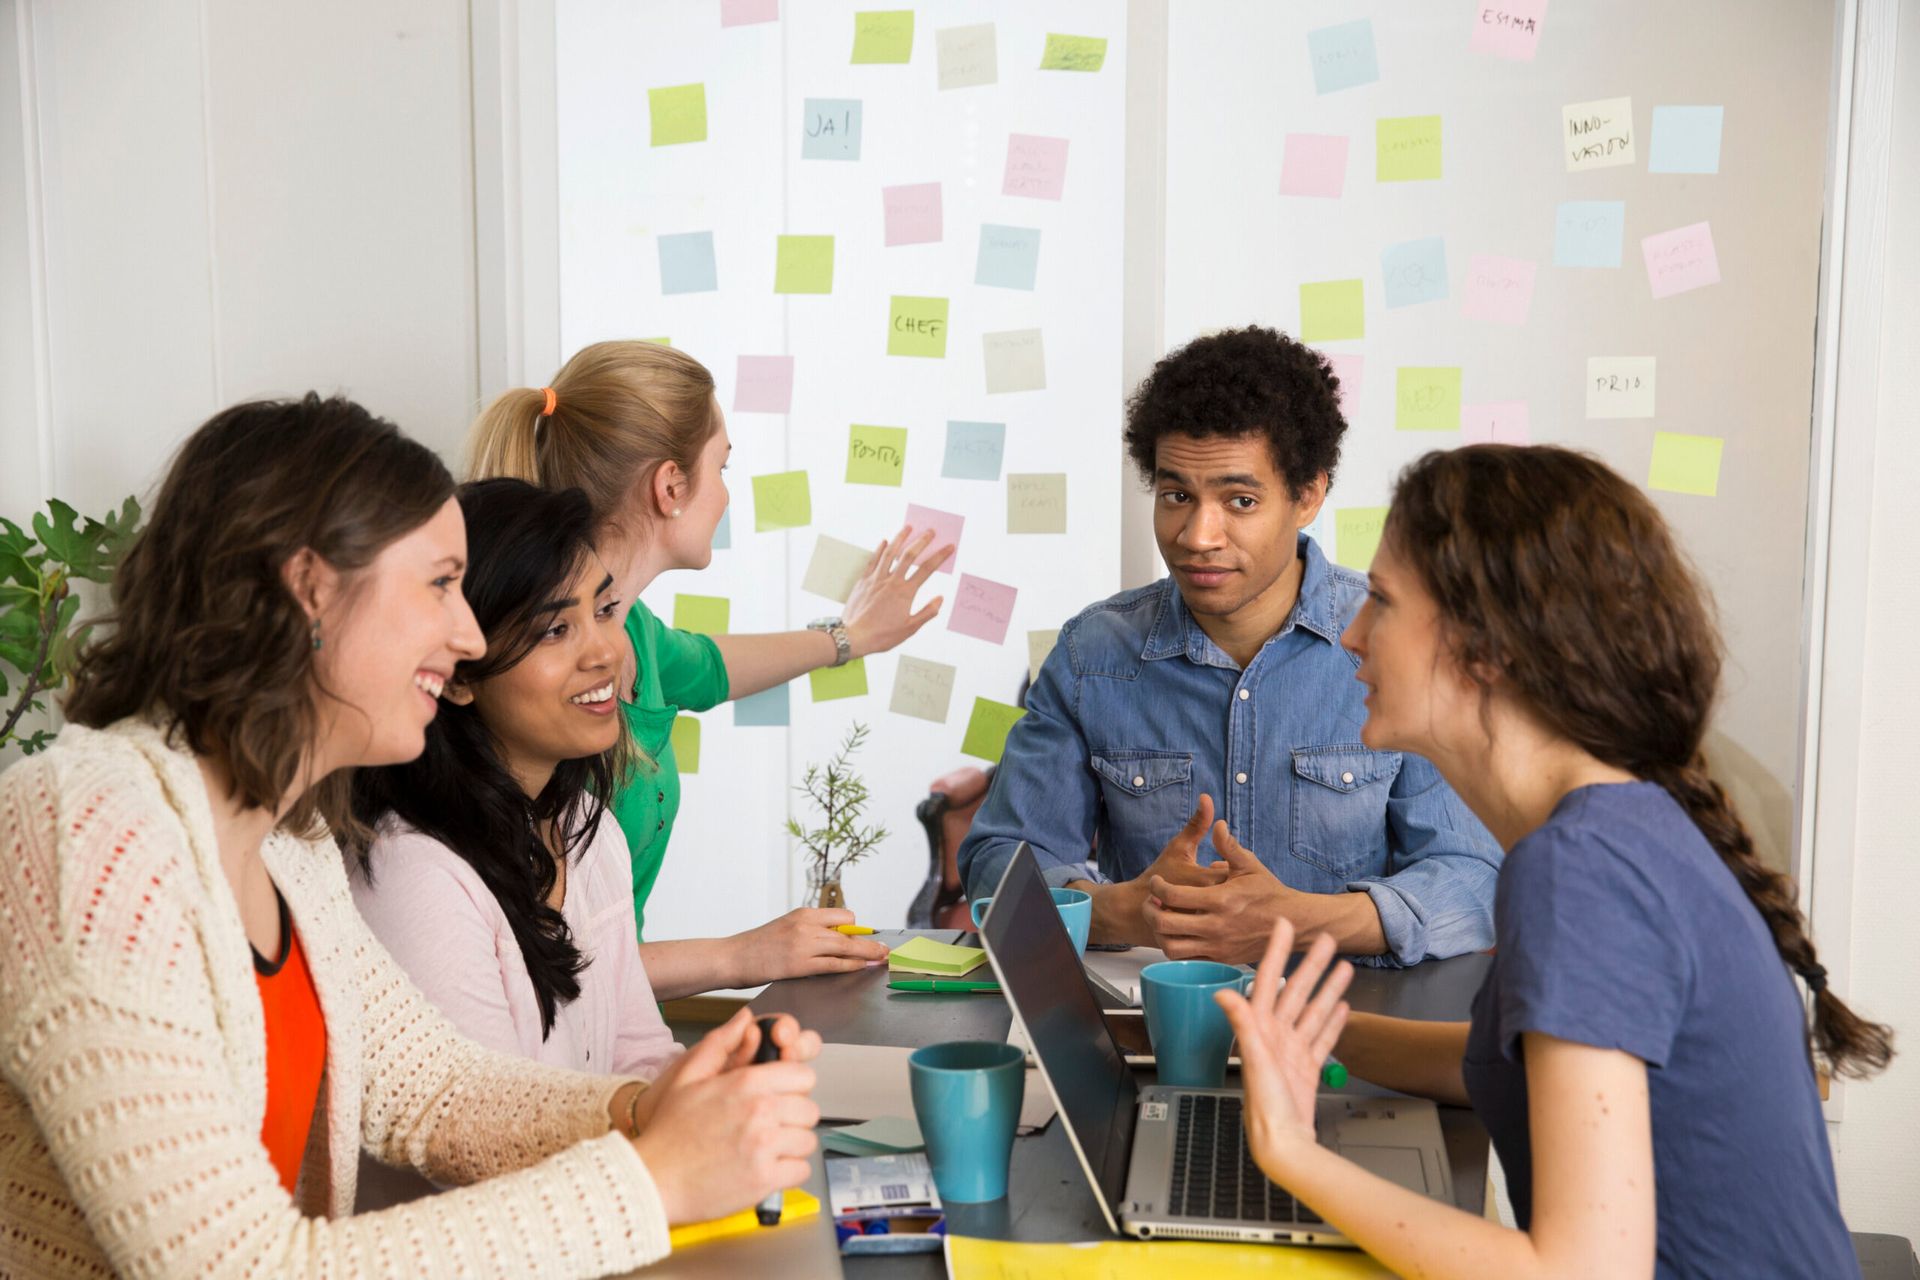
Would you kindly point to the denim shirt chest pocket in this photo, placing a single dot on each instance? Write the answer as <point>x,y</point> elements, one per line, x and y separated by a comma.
<point>1340,810</point>
<point>1148,795</point>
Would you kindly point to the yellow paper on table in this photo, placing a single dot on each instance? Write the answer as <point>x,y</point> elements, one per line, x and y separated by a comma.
<point>794,1205</point>
<point>939,959</point>
<point>972,1259</point>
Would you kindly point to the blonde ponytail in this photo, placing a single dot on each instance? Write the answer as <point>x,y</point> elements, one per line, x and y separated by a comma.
<point>505,439</point>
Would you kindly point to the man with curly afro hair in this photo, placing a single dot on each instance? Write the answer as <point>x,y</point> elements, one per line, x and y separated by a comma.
<point>1202,734</point>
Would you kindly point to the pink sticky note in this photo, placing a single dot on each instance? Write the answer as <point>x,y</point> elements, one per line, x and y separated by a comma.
<point>1501,422</point>
<point>763,384</point>
<point>1508,28</point>
<point>946,528</point>
<point>1036,167</point>
<point>742,13</point>
<point>1348,369</point>
<point>981,609</point>
<point>1499,290</point>
<point>1315,164</point>
<point>1681,259</point>
<point>913,213</point>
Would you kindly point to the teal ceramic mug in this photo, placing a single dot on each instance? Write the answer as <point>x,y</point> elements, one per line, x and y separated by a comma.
<point>1076,908</point>
<point>966,1096</point>
<point>1190,1033</point>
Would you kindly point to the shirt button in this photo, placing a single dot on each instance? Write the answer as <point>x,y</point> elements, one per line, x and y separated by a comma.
<point>1346,777</point>
<point>662,826</point>
<point>659,797</point>
<point>1139,782</point>
<point>1240,777</point>
<point>1244,695</point>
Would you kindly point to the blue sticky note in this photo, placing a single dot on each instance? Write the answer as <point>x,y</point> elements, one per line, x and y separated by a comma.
<point>974,450</point>
<point>830,129</point>
<point>764,710</point>
<point>1342,56</point>
<point>1416,271</point>
<point>1686,140</point>
<point>723,532</point>
<point>1009,256</point>
<point>1587,233</point>
<point>686,263</point>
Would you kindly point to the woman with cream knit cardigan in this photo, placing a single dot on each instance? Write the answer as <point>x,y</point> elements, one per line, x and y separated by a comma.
<point>200,1036</point>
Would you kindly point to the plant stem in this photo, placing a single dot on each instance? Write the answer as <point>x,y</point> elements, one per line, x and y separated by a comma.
<point>33,677</point>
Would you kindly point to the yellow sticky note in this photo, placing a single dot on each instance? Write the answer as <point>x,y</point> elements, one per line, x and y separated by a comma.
<point>969,1258</point>
<point>849,681</point>
<point>1406,149</point>
<point>1039,645</point>
<point>876,455</point>
<point>804,264</point>
<point>1356,535</point>
<point>1037,503</point>
<point>1685,464</point>
<point>794,1204</point>
<point>678,113</point>
<point>706,615</point>
<point>685,740</point>
<point>917,327</point>
<point>883,35</point>
<point>987,729</point>
<point>1427,398</point>
<point>1073,53</point>
<point>664,342</point>
<point>781,501</point>
<point>1333,310</point>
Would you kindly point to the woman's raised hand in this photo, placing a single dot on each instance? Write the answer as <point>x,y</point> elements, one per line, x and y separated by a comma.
<point>879,613</point>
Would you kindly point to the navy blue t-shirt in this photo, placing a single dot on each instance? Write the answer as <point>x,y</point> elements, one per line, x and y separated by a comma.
<point>1620,927</point>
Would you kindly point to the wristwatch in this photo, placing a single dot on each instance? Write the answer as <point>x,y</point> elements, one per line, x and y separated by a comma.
<point>838,630</point>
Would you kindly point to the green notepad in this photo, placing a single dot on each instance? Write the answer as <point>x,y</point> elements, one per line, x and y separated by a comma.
<point>924,955</point>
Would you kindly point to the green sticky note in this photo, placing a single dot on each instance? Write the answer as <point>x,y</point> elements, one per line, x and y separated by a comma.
<point>706,615</point>
<point>917,327</point>
<point>1356,535</point>
<point>1427,398</point>
<point>876,455</point>
<point>781,501</point>
<point>1073,53</point>
<point>1406,149</point>
<point>849,681</point>
<point>685,740</point>
<point>920,954</point>
<point>987,729</point>
<point>1685,464</point>
<point>1333,311</point>
<point>804,264</point>
<point>678,114</point>
<point>883,35</point>
<point>665,342</point>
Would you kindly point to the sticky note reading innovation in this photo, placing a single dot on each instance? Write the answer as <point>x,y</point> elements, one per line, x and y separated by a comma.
<point>677,114</point>
<point>1509,28</point>
<point>763,384</point>
<point>1332,311</point>
<point>1406,149</point>
<point>1039,645</point>
<point>1036,167</point>
<point>764,710</point>
<point>830,129</point>
<point>1356,535</point>
<point>967,56</point>
<point>1037,503</point>
<point>1073,53</point>
<point>981,609</point>
<point>917,327</point>
<point>1685,464</point>
<point>1589,233</point>
<point>1620,386</point>
<point>1685,140</point>
<point>803,264</point>
<point>1427,398</point>
<point>1415,271</point>
<point>781,501</point>
<point>912,213</point>
<point>876,455</point>
<point>974,450</point>
<point>1499,290</point>
<point>684,738</point>
<point>1680,260</point>
<point>705,615</point>
<point>829,683</point>
<point>1499,422</point>
<point>1015,360</point>
<point>987,729</point>
<point>1597,135</point>
<point>835,567</point>
<point>1342,56</point>
<point>1009,256</point>
<point>1314,164</point>
<point>947,528</point>
<point>883,35</point>
<point>922,689</point>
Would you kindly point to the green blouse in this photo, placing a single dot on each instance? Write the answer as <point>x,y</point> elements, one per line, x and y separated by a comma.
<point>676,671</point>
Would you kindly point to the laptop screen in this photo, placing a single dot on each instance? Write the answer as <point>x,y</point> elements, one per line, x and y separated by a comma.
<point>1044,981</point>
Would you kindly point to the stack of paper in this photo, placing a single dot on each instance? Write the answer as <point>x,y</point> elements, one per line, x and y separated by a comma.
<point>939,959</point>
<point>882,1135</point>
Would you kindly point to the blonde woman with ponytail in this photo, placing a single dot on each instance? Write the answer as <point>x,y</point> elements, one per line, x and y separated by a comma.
<point>637,426</point>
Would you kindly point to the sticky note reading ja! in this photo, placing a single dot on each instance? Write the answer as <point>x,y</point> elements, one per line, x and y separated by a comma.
<point>830,129</point>
<point>917,327</point>
<point>876,455</point>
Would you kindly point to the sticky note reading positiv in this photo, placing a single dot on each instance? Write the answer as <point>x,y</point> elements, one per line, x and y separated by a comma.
<point>830,129</point>
<point>1036,167</point>
<point>1599,134</point>
<point>1685,140</point>
<point>917,327</point>
<point>1314,164</point>
<point>1016,360</point>
<point>974,450</point>
<point>705,615</point>
<point>684,738</point>
<point>981,609</point>
<point>883,35</point>
<point>1685,464</point>
<point>1009,256</point>
<point>1356,535</point>
<point>764,710</point>
<point>1073,53</point>
<point>876,455</point>
<point>781,501</point>
<point>677,114</point>
<point>1508,28</point>
<point>686,263</point>
<point>1415,271</point>
<point>829,683</point>
<point>947,528</point>
<point>763,384</point>
<point>1037,503</point>
<point>967,56</point>
<point>1427,398</point>
<point>1499,290</point>
<point>1039,645</point>
<point>922,689</point>
<point>803,264</point>
<point>1620,386</point>
<point>912,212</point>
<point>987,729</point>
<point>835,567</point>
<point>1332,311</point>
<point>1589,233</point>
<point>1406,149</point>
<point>1342,56</point>
<point>1680,260</point>
<point>1500,422</point>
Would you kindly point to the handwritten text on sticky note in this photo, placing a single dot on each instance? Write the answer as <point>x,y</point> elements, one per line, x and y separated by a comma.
<point>1039,645</point>
<point>1036,167</point>
<point>917,327</point>
<point>1356,535</point>
<point>781,500</point>
<point>883,35</point>
<point>1597,135</point>
<point>1415,271</point>
<point>981,609</point>
<point>876,455</point>
<point>830,129</point>
<point>912,213</point>
<point>1620,386</point>
<point>1009,256</point>
<point>1342,56</point>
<point>1427,398</point>
<point>922,689</point>
<point>1499,290</point>
<point>1589,233</point>
<point>1406,149</point>
<point>974,450</point>
<point>1015,361</point>
<point>1037,503</point>
<point>967,56</point>
<point>763,384</point>
<point>1073,53</point>
<point>1508,28</point>
<point>987,729</point>
<point>1680,260</point>
<point>947,527</point>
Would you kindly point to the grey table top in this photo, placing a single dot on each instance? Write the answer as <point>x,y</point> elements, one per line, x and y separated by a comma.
<point>1048,1197</point>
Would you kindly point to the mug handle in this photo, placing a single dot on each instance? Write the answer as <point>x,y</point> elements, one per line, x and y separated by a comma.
<point>974,909</point>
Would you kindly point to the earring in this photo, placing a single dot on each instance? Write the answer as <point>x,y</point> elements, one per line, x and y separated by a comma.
<point>676,513</point>
<point>315,633</point>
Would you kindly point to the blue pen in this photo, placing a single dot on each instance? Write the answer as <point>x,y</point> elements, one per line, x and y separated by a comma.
<point>768,1210</point>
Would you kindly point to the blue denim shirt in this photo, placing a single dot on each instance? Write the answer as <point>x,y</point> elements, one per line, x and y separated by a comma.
<point>1136,712</point>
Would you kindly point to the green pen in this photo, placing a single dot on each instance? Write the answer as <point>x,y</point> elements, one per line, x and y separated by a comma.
<point>1334,1074</point>
<point>940,984</point>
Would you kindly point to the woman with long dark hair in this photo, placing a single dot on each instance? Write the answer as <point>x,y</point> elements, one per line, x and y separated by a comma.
<point>1640,1051</point>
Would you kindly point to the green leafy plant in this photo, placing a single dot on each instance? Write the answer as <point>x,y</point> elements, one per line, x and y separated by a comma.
<point>841,797</point>
<point>38,637</point>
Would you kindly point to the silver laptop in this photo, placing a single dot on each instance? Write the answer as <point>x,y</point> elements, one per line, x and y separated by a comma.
<point>1165,1162</point>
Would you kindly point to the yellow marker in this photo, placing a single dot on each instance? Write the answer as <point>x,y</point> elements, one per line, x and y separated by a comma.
<point>852,930</point>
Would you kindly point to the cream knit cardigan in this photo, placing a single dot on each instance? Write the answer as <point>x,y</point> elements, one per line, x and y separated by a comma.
<point>135,1065</point>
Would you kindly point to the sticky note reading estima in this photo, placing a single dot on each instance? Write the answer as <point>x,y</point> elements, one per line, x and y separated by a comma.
<point>686,263</point>
<point>830,129</point>
<point>947,528</point>
<point>1342,56</point>
<point>1356,535</point>
<point>981,609</point>
<point>967,56</point>
<point>835,567</point>
<point>684,738</point>
<point>1620,386</point>
<point>781,501</point>
<point>1406,149</point>
<point>922,689</point>
<point>1332,311</point>
<point>677,114</point>
<point>1415,271</point>
<point>1427,398</point>
<point>1037,503</point>
<point>803,264</point>
<point>912,213</point>
<point>763,384</point>
<point>829,683</point>
<point>1073,53</point>
<point>974,450</point>
<point>883,35</point>
<point>1499,290</point>
<point>1501,422</point>
<point>1597,135</point>
<point>1039,645</point>
<point>917,327</point>
<point>987,729</point>
<point>1036,167</point>
<point>1680,260</point>
<point>1015,360</point>
<point>1685,464</point>
<point>1508,28</point>
<point>706,615</point>
<point>1314,164</point>
<point>876,455</point>
<point>1685,140</point>
<point>1588,233</point>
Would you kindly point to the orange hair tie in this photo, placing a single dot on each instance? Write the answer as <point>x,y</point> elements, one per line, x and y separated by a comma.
<point>553,402</point>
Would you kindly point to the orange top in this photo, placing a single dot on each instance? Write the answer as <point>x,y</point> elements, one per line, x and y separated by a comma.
<point>296,1051</point>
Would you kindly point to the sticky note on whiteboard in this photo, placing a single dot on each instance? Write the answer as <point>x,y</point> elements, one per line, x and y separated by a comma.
<point>967,56</point>
<point>1680,260</point>
<point>829,683</point>
<point>1073,53</point>
<point>686,264</point>
<point>1588,233</point>
<point>1009,256</point>
<point>947,528</point>
<point>1499,290</point>
<point>981,609</point>
<point>1508,28</point>
<point>1356,535</point>
<point>1036,167</point>
<point>1685,140</point>
<point>1598,134</point>
<point>742,13</point>
<point>1015,361</point>
<point>835,567</point>
<point>781,501</point>
<point>1350,370</point>
<point>1685,464</point>
<point>1499,422</point>
<point>704,615</point>
<point>1039,645</point>
<point>974,450</point>
<point>987,729</point>
<point>876,455</point>
<point>677,113</point>
<point>764,710</point>
<point>763,384</point>
<point>1415,271</point>
<point>1427,398</point>
<point>1332,311</point>
<point>1314,164</point>
<point>830,129</point>
<point>1620,386</point>
<point>1342,56</point>
<point>803,264</point>
<point>1406,149</point>
<point>685,740</point>
<point>1037,503</point>
<point>922,689</point>
<point>917,327</point>
<point>913,213</point>
<point>883,35</point>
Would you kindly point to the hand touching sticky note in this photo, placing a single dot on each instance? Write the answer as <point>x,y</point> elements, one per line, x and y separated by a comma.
<point>876,455</point>
<point>946,526</point>
<point>835,567</point>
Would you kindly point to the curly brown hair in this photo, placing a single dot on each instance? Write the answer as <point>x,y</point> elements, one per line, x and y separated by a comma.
<point>203,634</point>
<point>1555,572</point>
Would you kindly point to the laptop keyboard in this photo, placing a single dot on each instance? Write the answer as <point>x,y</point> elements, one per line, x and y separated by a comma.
<point>1214,1175</point>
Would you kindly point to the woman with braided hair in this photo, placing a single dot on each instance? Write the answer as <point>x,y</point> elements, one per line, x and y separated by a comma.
<point>1639,1052</point>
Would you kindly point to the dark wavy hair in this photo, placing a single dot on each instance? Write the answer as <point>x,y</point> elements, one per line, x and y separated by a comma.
<point>204,634</point>
<point>1561,576</point>
<point>524,545</point>
<point>1243,382</point>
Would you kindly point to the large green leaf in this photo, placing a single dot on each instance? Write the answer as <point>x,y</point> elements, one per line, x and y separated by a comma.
<point>19,639</point>
<point>86,550</point>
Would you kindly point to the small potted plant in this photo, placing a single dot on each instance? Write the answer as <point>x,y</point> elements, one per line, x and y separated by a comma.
<point>840,796</point>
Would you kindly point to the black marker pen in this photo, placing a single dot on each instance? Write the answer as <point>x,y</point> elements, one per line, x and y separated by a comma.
<point>768,1210</point>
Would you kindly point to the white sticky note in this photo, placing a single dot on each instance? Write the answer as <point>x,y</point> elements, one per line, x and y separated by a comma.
<point>1039,645</point>
<point>1620,386</point>
<point>967,56</point>
<point>1597,135</point>
<point>1015,361</point>
<point>834,568</point>
<point>922,689</point>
